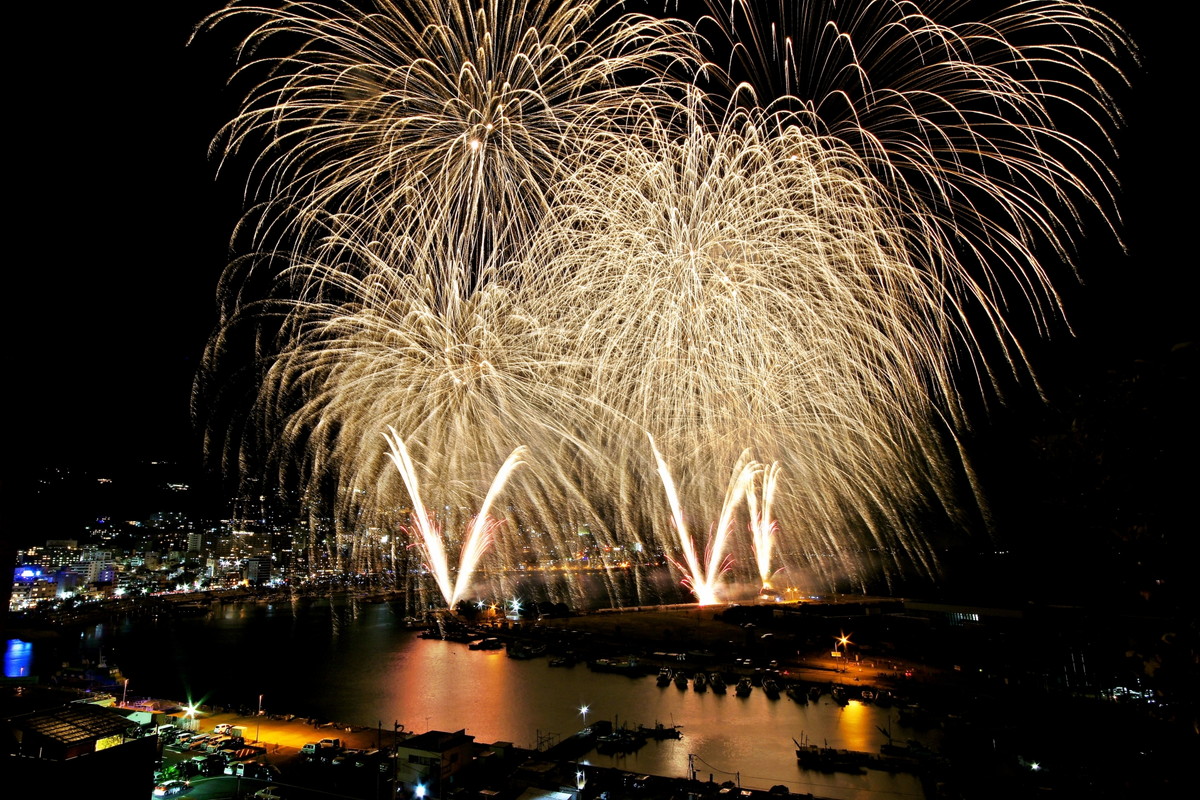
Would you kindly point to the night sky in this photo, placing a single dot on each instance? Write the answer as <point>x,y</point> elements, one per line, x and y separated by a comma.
<point>121,233</point>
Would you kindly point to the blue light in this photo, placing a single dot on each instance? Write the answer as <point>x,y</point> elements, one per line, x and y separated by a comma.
<point>18,659</point>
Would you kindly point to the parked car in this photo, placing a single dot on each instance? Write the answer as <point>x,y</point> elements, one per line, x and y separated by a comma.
<point>170,788</point>
<point>248,769</point>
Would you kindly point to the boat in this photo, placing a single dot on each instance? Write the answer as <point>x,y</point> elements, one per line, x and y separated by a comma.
<point>681,680</point>
<point>814,693</point>
<point>838,693</point>
<point>827,759</point>
<point>796,694</point>
<point>660,731</point>
<point>910,749</point>
<point>622,740</point>
<point>717,683</point>
<point>771,689</point>
<point>743,688</point>
<point>700,682</point>
<point>524,652</point>
<point>489,643</point>
<point>623,666</point>
<point>562,661</point>
<point>664,677</point>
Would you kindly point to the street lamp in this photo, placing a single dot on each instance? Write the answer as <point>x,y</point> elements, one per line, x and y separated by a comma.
<point>583,712</point>
<point>843,641</point>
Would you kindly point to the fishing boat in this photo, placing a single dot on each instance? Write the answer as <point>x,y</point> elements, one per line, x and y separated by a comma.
<point>796,694</point>
<point>743,688</point>
<point>660,731</point>
<point>622,740</point>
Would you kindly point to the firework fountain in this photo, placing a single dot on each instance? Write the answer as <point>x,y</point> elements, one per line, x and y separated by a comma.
<point>479,534</point>
<point>559,225</point>
<point>763,527</point>
<point>703,577</point>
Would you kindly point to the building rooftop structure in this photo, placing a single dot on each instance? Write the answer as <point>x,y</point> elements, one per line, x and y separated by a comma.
<point>69,731</point>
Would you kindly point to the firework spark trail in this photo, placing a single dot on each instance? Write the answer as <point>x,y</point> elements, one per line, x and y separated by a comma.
<point>447,121</point>
<point>518,221</point>
<point>435,551</point>
<point>763,527</point>
<point>992,134</point>
<point>480,533</point>
<point>748,287</point>
<point>704,578</point>
<point>691,558</point>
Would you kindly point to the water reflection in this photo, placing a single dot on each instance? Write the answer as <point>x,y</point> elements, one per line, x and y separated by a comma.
<point>358,666</point>
<point>18,659</point>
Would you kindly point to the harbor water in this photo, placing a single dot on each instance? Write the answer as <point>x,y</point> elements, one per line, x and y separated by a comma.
<point>356,663</point>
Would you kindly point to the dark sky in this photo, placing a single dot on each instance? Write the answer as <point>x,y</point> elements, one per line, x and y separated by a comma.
<point>121,237</point>
<point>121,230</point>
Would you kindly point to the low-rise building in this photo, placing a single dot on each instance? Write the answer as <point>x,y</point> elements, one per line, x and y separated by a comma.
<point>428,763</point>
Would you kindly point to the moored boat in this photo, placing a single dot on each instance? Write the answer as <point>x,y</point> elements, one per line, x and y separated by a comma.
<point>660,731</point>
<point>743,688</point>
<point>624,666</point>
<point>488,643</point>
<point>620,741</point>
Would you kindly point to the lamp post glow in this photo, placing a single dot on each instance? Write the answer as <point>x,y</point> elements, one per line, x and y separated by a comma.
<point>583,712</point>
<point>842,641</point>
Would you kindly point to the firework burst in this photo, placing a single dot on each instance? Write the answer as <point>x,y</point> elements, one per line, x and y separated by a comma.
<point>554,224</point>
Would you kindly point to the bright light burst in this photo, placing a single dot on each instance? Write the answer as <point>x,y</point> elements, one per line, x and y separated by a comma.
<point>480,532</point>
<point>444,122</point>
<point>760,496</point>
<point>556,225</point>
